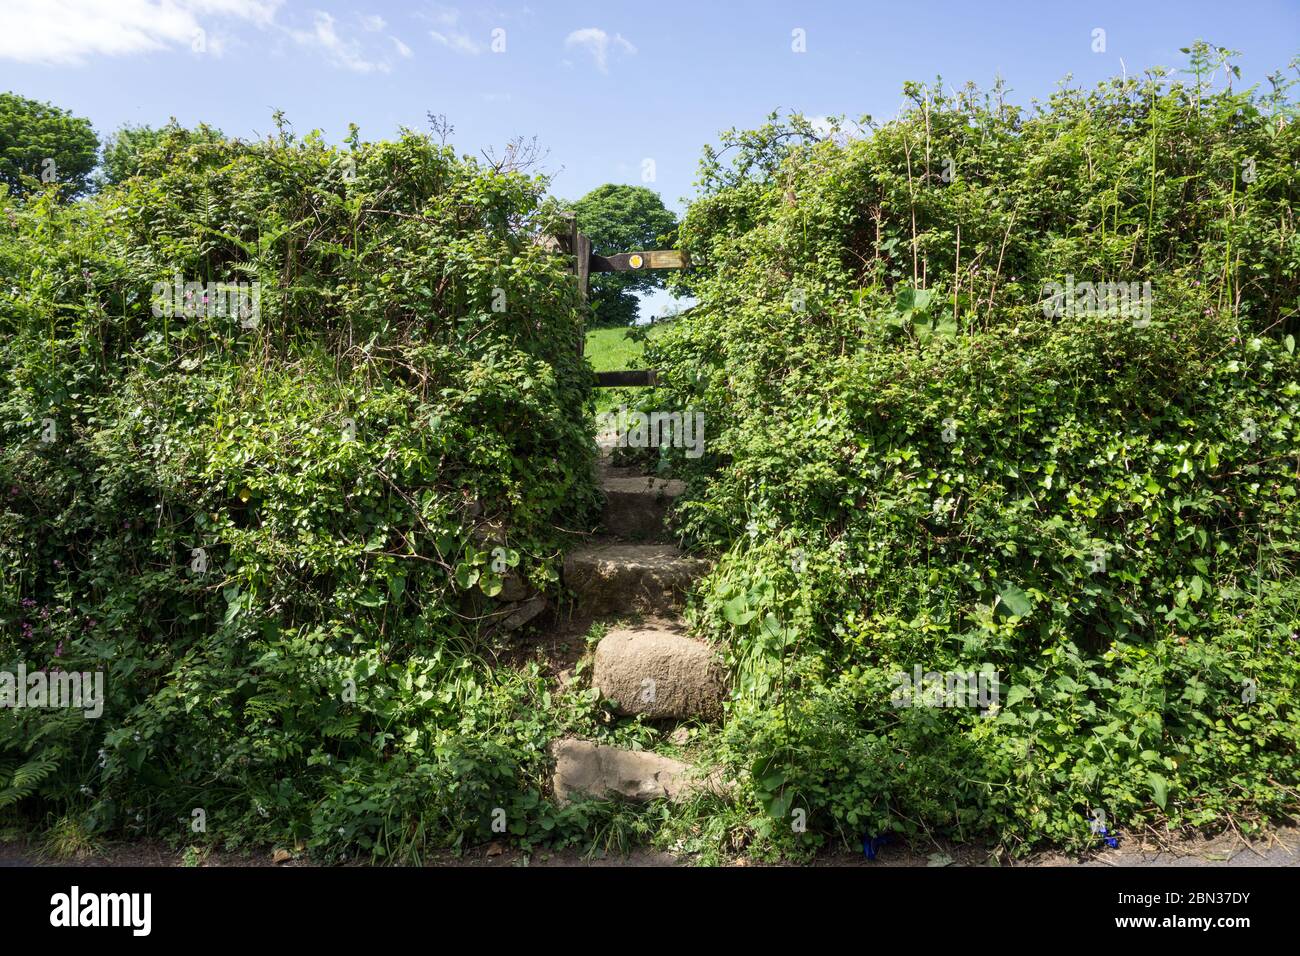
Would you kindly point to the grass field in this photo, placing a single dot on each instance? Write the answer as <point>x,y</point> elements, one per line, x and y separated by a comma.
<point>611,350</point>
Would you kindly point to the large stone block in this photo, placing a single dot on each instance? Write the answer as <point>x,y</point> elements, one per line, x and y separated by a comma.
<point>636,506</point>
<point>618,578</point>
<point>659,674</point>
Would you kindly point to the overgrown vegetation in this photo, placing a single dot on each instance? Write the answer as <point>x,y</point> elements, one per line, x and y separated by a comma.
<point>910,464</point>
<point>284,535</point>
<point>286,541</point>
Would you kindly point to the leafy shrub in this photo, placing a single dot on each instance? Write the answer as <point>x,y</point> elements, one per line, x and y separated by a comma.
<point>358,465</point>
<point>911,463</point>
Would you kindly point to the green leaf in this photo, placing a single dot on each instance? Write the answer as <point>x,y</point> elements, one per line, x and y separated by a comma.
<point>779,806</point>
<point>466,576</point>
<point>737,611</point>
<point>913,300</point>
<point>1018,693</point>
<point>1159,788</point>
<point>1015,600</point>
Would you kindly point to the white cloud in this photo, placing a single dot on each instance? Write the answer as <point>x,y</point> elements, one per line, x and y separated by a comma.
<point>460,42</point>
<point>599,43</point>
<point>68,31</point>
<point>445,16</point>
<point>341,52</point>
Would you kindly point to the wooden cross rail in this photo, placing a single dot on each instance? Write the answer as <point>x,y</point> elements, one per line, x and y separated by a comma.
<point>636,261</point>
<point>625,378</point>
<point>578,245</point>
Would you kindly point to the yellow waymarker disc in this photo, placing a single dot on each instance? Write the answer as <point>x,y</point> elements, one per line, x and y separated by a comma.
<point>635,262</point>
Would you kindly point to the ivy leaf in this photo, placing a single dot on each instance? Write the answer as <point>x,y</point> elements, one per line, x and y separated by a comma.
<point>466,576</point>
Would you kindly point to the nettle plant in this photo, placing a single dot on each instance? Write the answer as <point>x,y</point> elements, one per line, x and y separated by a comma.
<point>1100,504</point>
<point>287,536</point>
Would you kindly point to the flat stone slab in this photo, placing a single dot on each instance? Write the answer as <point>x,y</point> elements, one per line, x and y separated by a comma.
<point>659,674</point>
<point>522,612</point>
<point>618,578</point>
<point>586,768</point>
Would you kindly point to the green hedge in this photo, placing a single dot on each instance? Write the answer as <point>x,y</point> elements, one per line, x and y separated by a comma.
<point>408,400</point>
<point>912,463</point>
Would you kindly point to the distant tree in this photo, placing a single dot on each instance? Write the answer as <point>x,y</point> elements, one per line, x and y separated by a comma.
<point>41,142</point>
<point>621,218</point>
<point>126,150</point>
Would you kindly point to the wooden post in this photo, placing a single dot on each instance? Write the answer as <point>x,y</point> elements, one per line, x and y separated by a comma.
<point>582,266</point>
<point>575,244</point>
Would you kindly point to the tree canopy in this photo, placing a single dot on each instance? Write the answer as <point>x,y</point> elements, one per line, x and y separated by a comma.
<point>41,142</point>
<point>621,218</point>
<point>125,151</point>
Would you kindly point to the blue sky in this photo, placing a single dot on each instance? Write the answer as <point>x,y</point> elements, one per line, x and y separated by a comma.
<point>606,86</point>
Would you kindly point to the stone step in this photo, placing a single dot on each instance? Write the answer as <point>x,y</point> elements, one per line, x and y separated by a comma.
<point>617,578</point>
<point>636,506</point>
<point>597,770</point>
<point>659,673</point>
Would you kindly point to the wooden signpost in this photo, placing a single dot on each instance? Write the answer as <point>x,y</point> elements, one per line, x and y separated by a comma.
<point>585,263</point>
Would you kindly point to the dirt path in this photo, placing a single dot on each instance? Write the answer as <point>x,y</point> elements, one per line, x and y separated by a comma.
<point>1276,847</point>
